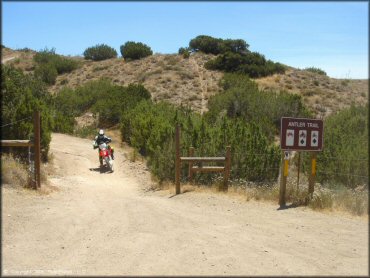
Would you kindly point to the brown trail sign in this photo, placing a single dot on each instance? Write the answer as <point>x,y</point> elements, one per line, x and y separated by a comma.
<point>299,134</point>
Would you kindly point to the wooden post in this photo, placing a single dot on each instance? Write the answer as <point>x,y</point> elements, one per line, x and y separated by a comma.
<point>227,168</point>
<point>37,148</point>
<point>312,179</point>
<point>177,162</point>
<point>299,166</point>
<point>191,154</point>
<point>283,178</point>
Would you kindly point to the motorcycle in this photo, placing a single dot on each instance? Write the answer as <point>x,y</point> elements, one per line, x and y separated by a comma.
<point>105,154</point>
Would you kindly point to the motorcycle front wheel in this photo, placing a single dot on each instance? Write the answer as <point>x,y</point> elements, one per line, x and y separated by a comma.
<point>109,163</point>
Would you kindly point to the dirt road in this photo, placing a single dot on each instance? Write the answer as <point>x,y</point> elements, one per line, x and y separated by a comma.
<point>107,224</point>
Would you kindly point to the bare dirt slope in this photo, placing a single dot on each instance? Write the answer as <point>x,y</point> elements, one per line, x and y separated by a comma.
<point>171,78</point>
<point>108,224</point>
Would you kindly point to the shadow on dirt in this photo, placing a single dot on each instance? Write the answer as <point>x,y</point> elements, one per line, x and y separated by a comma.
<point>101,170</point>
<point>289,206</point>
<point>185,191</point>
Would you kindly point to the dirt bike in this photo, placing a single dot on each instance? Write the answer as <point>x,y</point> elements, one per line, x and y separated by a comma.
<point>105,154</point>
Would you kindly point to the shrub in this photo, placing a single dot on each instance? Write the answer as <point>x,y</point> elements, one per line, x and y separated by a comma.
<point>186,55</point>
<point>25,49</point>
<point>242,99</point>
<point>14,172</point>
<point>251,63</point>
<point>21,95</point>
<point>208,44</point>
<point>100,52</point>
<point>182,50</point>
<point>316,70</point>
<point>135,50</point>
<point>47,73</point>
<point>101,97</point>
<point>50,58</point>
<point>345,156</point>
<point>150,129</point>
<point>234,56</point>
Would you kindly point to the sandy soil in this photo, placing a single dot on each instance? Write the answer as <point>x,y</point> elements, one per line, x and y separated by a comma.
<point>4,60</point>
<point>109,224</point>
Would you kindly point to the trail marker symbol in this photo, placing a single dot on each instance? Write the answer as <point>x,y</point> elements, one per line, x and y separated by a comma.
<point>290,137</point>
<point>314,138</point>
<point>302,138</point>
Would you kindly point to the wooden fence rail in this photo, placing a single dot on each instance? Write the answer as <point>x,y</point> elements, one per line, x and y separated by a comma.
<point>191,159</point>
<point>16,143</point>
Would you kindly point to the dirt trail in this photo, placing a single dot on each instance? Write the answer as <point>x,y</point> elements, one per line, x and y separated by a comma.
<point>203,86</point>
<point>107,224</point>
<point>4,60</point>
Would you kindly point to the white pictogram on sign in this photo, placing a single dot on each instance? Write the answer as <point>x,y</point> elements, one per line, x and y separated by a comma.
<point>314,138</point>
<point>289,137</point>
<point>302,138</point>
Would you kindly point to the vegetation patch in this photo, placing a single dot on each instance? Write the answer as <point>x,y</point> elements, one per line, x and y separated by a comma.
<point>233,56</point>
<point>345,156</point>
<point>49,65</point>
<point>135,50</point>
<point>23,94</point>
<point>100,52</point>
<point>316,70</point>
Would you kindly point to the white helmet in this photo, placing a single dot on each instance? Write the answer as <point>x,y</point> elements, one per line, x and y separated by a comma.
<point>101,132</point>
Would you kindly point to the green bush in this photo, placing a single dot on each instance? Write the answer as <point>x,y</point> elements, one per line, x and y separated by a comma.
<point>345,156</point>
<point>47,73</point>
<point>135,50</point>
<point>50,58</point>
<point>208,44</point>
<point>101,97</point>
<point>316,70</point>
<point>21,96</point>
<point>184,52</point>
<point>251,63</point>
<point>242,99</point>
<point>234,56</point>
<point>25,49</point>
<point>150,128</point>
<point>100,52</point>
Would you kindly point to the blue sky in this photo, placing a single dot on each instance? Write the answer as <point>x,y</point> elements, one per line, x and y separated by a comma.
<point>330,35</point>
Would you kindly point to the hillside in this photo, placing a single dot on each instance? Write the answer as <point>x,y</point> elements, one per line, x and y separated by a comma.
<point>186,82</point>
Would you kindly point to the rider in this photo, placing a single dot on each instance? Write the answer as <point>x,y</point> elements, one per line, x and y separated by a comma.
<point>101,138</point>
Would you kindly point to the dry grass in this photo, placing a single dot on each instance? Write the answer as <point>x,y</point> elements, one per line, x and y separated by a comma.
<point>14,173</point>
<point>345,201</point>
<point>133,155</point>
<point>322,94</point>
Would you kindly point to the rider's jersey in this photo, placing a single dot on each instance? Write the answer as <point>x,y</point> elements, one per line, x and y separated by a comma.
<point>102,139</point>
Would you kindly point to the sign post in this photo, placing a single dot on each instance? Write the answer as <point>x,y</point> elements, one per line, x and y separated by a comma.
<point>283,178</point>
<point>300,134</point>
<point>177,161</point>
<point>37,146</point>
